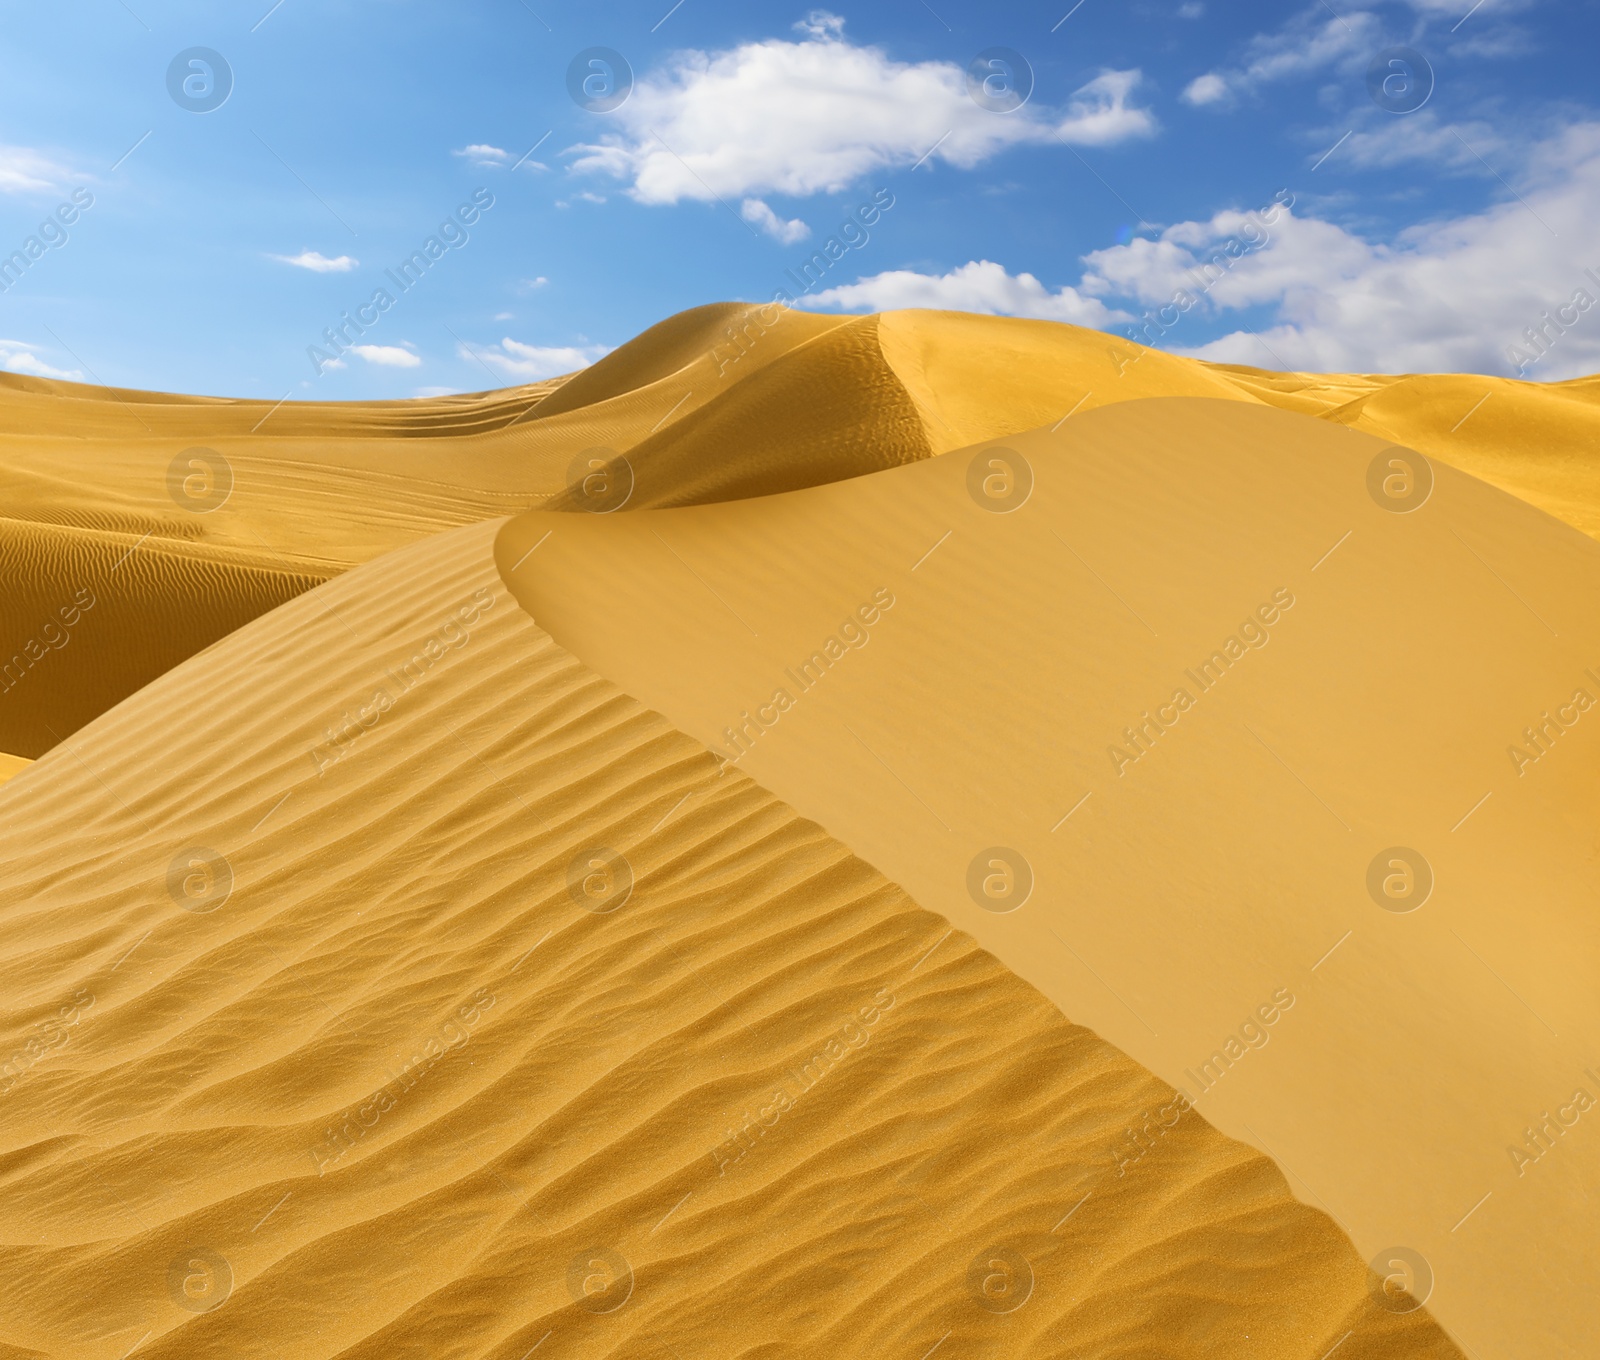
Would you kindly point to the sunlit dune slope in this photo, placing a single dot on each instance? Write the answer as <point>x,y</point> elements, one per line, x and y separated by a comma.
<point>1264,748</point>
<point>11,765</point>
<point>720,402</point>
<point>338,1029</point>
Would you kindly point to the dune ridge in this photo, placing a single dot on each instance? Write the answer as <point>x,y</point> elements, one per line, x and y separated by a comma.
<point>587,1153</point>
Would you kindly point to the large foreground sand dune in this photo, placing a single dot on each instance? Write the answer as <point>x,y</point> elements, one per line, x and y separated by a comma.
<point>486,1015</point>
<point>1261,746</point>
<point>230,506</point>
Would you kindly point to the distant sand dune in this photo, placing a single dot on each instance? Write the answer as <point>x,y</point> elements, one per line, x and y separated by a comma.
<point>399,1093</point>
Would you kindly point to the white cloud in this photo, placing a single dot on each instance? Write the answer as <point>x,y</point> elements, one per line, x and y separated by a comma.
<point>25,171</point>
<point>1193,9</point>
<point>1309,42</point>
<point>978,286</point>
<point>1445,296</point>
<point>387,356</point>
<point>319,263</point>
<point>757,212</point>
<point>484,156</point>
<point>529,363</point>
<point>815,116</point>
<point>16,356</point>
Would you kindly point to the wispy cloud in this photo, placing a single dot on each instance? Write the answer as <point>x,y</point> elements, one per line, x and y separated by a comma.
<point>529,363</point>
<point>759,214</point>
<point>387,356</point>
<point>17,356</point>
<point>26,171</point>
<point>319,263</point>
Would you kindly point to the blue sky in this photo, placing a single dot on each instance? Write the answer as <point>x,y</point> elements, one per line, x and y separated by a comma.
<point>220,245</point>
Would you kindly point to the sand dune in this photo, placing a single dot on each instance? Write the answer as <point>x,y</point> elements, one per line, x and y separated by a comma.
<point>1147,705</point>
<point>720,402</point>
<point>11,765</point>
<point>331,1037</point>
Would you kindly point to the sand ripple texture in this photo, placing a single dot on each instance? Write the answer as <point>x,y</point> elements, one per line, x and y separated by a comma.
<point>488,1021</point>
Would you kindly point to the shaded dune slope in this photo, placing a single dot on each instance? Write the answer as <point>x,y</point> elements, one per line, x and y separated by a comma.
<point>719,402</point>
<point>399,1093</point>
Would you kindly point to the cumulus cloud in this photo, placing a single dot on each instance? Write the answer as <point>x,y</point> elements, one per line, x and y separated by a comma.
<point>17,356</point>
<point>816,115</point>
<point>319,263</point>
<point>757,212</point>
<point>1312,41</point>
<point>1447,296</point>
<point>529,363</point>
<point>483,155</point>
<point>25,171</point>
<point>387,356</point>
<point>978,286</point>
